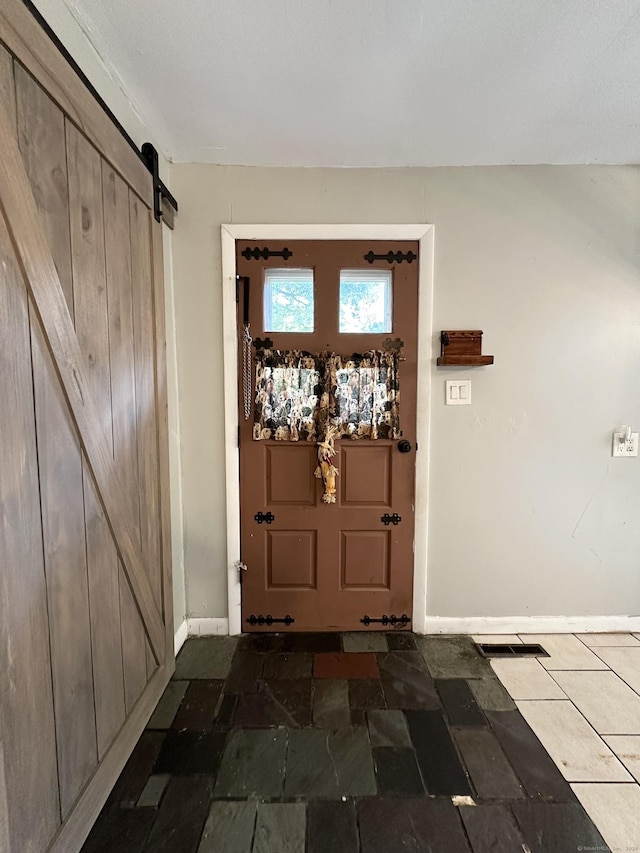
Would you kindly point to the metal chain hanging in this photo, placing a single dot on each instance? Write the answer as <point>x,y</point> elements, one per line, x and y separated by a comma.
<point>247,370</point>
<point>247,352</point>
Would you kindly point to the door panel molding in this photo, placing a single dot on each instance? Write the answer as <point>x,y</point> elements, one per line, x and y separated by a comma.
<point>230,234</point>
<point>365,559</point>
<point>376,490</point>
<point>43,283</point>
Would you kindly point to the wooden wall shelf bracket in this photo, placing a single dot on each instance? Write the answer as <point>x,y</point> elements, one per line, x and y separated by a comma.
<point>462,348</point>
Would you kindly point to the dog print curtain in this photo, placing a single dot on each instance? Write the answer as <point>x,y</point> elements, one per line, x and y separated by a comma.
<point>298,395</point>
<point>364,395</point>
<point>290,393</point>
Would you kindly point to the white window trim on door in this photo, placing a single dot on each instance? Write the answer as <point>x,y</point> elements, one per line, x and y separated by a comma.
<point>230,234</point>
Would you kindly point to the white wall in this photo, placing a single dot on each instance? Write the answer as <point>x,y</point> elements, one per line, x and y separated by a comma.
<point>110,88</point>
<point>529,514</point>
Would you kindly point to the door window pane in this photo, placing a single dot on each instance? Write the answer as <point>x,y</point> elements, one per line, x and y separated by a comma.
<point>366,297</point>
<point>288,300</point>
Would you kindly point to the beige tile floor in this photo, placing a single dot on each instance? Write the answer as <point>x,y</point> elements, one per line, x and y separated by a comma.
<point>583,703</point>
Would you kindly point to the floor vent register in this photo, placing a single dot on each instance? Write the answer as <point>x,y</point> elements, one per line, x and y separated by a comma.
<point>508,650</point>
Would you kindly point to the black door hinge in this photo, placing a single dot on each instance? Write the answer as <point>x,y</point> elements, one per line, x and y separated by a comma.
<point>269,620</point>
<point>391,257</point>
<point>263,343</point>
<point>387,620</point>
<point>266,253</point>
<point>391,519</point>
<point>268,517</point>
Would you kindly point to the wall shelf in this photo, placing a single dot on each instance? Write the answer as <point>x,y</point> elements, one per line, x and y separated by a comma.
<point>462,348</point>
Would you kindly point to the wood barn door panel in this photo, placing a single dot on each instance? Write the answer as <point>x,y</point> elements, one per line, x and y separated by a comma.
<point>86,634</point>
<point>87,539</point>
<point>121,336</point>
<point>40,127</point>
<point>44,286</point>
<point>115,195</point>
<point>27,732</point>
<point>134,643</point>
<point>162,440</point>
<point>104,603</point>
<point>88,264</point>
<point>42,140</point>
<point>92,330</point>
<point>145,394</point>
<point>146,426</point>
<point>65,549</point>
<point>7,85</point>
<point>5,839</point>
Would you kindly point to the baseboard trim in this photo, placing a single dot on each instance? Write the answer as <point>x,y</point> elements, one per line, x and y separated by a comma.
<point>205,627</point>
<point>180,636</point>
<point>211,627</point>
<point>208,627</point>
<point>530,624</point>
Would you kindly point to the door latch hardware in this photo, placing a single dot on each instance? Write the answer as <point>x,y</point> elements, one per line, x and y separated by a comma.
<point>404,446</point>
<point>240,566</point>
<point>388,620</point>
<point>388,519</point>
<point>260,517</point>
<point>390,257</point>
<point>265,254</point>
<point>269,620</point>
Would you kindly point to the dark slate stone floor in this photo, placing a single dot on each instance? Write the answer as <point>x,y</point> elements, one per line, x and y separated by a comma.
<point>339,743</point>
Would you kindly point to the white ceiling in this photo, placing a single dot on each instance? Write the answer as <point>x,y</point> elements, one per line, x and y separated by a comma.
<point>379,82</point>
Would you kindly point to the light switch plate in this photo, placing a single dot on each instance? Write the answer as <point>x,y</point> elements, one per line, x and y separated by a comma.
<point>457,392</point>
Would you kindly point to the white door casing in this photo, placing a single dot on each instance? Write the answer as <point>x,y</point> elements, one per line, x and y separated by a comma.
<point>425,235</point>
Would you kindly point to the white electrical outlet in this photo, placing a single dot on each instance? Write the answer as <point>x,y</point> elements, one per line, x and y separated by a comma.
<point>625,448</point>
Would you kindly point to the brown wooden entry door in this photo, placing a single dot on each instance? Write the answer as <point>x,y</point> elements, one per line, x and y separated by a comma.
<point>86,635</point>
<point>329,565</point>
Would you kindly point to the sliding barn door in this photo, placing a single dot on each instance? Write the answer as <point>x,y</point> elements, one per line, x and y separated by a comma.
<point>86,635</point>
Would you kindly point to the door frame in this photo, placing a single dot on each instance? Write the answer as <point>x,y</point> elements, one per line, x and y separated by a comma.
<point>425,236</point>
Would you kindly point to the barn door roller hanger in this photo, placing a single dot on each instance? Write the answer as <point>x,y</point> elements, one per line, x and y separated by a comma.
<point>164,204</point>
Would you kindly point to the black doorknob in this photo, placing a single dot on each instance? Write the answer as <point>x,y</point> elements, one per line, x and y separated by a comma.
<point>404,446</point>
